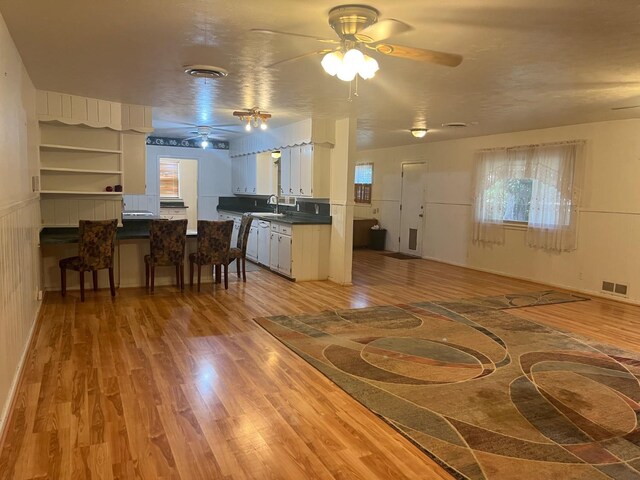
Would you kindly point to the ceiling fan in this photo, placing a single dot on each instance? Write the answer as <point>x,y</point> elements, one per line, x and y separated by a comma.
<point>205,133</point>
<point>254,117</point>
<point>359,31</point>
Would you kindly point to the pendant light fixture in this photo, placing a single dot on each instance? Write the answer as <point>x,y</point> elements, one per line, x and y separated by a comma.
<point>419,132</point>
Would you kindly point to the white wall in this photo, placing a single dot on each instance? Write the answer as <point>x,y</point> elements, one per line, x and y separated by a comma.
<point>19,216</point>
<point>609,218</point>
<point>214,179</point>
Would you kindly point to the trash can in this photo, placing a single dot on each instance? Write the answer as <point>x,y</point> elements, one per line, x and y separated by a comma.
<point>377,238</point>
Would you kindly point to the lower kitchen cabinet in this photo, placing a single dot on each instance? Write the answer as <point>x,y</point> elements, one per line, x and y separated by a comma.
<point>300,252</point>
<point>252,244</point>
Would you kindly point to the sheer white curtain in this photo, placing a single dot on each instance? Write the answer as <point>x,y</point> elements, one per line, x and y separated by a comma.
<point>553,170</point>
<point>553,214</point>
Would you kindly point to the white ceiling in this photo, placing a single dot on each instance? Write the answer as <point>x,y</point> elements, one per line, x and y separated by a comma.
<point>527,63</point>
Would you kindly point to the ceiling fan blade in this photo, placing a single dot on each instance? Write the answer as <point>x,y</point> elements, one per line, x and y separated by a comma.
<point>301,35</point>
<point>299,57</point>
<point>224,130</point>
<point>626,108</point>
<point>382,30</point>
<point>191,138</point>
<point>420,54</point>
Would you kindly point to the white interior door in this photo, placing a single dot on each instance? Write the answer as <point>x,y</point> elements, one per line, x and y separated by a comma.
<point>414,180</point>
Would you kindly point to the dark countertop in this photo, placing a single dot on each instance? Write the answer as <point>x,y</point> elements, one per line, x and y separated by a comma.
<point>292,218</point>
<point>130,230</point>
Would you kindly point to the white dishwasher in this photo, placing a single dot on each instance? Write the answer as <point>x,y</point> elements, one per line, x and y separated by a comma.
<point>264,242</point>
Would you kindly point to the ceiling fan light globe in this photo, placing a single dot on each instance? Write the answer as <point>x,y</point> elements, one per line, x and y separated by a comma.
<point>204,144</point>
<point>247,127</point>
<point>332,62</point>
<point>354,58</point>
<point>346,73</point>
<point>263,126</point>
<point>369,68</point>
<point>419,132</point>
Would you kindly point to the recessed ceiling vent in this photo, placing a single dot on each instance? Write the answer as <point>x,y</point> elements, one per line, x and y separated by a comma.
<point>205,71</point>
<point>455,124</point>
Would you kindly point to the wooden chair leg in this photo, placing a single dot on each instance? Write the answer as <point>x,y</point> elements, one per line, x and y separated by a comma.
<point>182,277</point>
<point>152,269</point>
<point>81,286</point>
<point>94,275</point>
<point>146,275</point>
<point>238,267</point>
<point>190,273</point>
<point>244,269</point>
<point>218,269</point>
<point>63,281</point>
<point>226,276</point>
<point>112,284</point>
<point>178,275</point>
<point>199,275</point>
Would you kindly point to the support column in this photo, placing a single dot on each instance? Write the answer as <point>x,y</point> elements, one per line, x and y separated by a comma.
<point>343,160</point>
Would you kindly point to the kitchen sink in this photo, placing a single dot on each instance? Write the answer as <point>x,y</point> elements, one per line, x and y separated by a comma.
<point>267,214</point>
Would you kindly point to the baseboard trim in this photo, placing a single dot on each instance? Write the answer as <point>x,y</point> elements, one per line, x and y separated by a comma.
<point>7,408</point>
<point>533,280</point>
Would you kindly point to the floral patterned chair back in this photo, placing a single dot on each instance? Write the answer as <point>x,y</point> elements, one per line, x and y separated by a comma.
<point>243,233</point>
<point>214,241</point>
<point>97,243</point>
<point>167,240</point>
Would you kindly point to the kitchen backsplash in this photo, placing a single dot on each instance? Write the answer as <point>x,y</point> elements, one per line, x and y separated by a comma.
<point>259,204</point>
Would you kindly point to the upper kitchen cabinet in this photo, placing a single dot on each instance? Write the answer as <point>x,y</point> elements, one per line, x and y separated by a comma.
<point>305,171</point>
<point>253,175</point>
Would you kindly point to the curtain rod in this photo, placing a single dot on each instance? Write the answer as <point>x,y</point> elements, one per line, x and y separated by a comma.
<point>534,145</point>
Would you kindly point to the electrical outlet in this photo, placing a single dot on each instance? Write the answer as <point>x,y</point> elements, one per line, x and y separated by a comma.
<point>39,295</point>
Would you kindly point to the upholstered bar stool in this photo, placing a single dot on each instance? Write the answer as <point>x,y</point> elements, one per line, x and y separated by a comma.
<point>239,252</point>
<point>167,241</point>
<point>95,252</point>
<point>214,242</point>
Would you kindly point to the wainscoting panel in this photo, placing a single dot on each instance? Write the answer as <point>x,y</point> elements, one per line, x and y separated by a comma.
<point>19,285</point>
<point>66,212</point>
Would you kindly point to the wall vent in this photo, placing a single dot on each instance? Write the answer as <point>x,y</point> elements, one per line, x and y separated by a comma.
<point>608,286</point>
<point>615,288</point>
<point>621,289</point>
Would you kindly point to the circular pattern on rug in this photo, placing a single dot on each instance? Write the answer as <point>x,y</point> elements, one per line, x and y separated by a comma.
<point>422,359</point>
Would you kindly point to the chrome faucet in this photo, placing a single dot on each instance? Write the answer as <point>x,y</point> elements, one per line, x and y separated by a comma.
<point>273,200</point>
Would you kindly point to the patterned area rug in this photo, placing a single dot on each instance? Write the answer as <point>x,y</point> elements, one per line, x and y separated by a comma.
<point>486,394</point>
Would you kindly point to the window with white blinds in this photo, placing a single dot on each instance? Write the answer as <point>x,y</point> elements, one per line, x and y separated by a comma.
<point>363,183</point>
<point>169,179</point>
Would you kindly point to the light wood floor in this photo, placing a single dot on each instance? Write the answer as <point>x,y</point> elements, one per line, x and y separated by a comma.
<point>187,386</point>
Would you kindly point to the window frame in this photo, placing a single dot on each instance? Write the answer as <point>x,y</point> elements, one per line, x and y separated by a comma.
<point>363,192</point>
<point>170,161</point>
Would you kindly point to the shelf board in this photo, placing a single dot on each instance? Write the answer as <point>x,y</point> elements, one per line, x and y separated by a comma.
<point>79,170</point>
<point>73,192</point>
<point>48,147</point>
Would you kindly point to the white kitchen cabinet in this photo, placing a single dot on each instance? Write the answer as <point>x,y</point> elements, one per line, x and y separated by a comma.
<point>305,171</point>
<point>264,242</point>
<point>284,254</point>
<point>273,251</point>
<point>285,172</point>
<point>294,172</point>
<point>252,244</point>
<point>238,175</point>
<point>300,252</point>
<point>173,213</point>
<point>251,172</point>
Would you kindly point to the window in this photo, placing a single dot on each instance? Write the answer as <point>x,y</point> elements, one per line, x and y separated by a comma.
<point>534,185</point>
<point>363,182</point>
<point>169,179</point>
